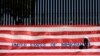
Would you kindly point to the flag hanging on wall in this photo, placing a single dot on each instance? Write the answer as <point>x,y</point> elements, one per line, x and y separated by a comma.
<point>49,40</point>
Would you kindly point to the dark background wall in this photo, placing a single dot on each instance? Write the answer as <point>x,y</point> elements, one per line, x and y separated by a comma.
<point>68,11</point>
<point>59,12</point>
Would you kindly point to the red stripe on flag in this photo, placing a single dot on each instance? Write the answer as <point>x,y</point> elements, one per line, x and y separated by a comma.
<point>56,40</point>
<point>54,53</point>
<point>48,33</point>
<point>51,55</point>
<point>2,47</point>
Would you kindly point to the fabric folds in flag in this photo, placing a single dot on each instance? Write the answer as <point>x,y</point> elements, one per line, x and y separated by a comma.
<point>49,40</point>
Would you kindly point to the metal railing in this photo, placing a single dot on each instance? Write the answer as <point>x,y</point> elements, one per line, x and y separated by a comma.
<point>54,12</point>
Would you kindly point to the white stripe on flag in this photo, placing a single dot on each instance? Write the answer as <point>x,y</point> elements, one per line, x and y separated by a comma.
<point>47,44</point>
<point>27,37</point>
<point>49,50</point>
<point>50,29</point>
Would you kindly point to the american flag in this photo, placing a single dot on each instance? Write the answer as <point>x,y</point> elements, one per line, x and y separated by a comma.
<point>49,40</point>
